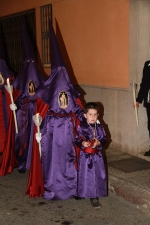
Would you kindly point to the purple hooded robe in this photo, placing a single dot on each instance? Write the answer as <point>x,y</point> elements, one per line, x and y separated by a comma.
<point>4,96</point>
<point>92,180</point>
<point>28,79</point>
<point>58,129</point>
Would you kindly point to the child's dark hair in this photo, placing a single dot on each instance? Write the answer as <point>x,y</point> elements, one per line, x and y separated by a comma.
<point>90,105</point>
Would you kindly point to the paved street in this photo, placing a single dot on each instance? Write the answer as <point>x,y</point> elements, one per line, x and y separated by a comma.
<point>19,209</point>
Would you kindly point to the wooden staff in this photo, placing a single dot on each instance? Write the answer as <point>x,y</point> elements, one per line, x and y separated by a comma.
<point>134,86</point>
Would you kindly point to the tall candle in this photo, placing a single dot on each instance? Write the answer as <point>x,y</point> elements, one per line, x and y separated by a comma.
<point>12,101</point>
<point>10,92</point>
<point>37,117</point>
<point>38,130</point>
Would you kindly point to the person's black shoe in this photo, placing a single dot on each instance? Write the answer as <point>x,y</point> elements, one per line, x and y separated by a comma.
<point>147,153</point>
<point>78,198</point>
<point>21,170</point>
<point>95,203</point>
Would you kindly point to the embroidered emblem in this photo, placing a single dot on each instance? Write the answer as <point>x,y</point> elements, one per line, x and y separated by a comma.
<point>63,100</point>
<point>1,78</point>
<point>31,87</point>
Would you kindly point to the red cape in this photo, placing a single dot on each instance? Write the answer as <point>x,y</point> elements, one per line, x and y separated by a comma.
<point>2,123</point>
<point>8,160</point>
<point>35,186</point>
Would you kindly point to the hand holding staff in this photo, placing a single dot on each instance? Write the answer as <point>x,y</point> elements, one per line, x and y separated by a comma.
<point>134,87</point>
<point>37,120</point>
<point>13,107</point>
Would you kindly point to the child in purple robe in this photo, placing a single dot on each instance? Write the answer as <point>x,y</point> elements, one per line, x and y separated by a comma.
<point>92,182</point>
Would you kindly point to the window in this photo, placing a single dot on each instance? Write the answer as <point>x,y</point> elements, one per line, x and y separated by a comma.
<point>46,14</point>
<point>11,34</point>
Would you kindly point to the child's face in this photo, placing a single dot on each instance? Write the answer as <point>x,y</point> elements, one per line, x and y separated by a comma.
<point>91,115</point>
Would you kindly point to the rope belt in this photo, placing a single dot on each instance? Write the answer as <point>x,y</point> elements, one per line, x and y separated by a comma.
<point>28,100</point>
<point>59,114</point>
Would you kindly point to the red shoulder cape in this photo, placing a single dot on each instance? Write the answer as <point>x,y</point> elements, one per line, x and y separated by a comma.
<point>8,160</point>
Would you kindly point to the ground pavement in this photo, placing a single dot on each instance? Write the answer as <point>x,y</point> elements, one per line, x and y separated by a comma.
<point>129,177</point>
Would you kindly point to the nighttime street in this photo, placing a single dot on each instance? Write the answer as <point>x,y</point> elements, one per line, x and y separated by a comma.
<point>19,209</point>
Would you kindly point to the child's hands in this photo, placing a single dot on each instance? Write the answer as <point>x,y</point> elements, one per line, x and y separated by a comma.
<point>96,143</point>
<point>86,144</point>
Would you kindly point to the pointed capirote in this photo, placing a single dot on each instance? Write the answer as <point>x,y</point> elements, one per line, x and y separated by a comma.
<point>27,48</point>
<point>2,53</point>
<point>55,53</point>
<point>29,72</point>
<point>59,80</point>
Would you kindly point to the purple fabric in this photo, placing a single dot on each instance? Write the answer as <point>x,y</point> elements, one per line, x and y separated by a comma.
<point>24,138</point>
<point>55,53</point>
<point>29,72</point>
<point>92,180</point>
<point>58,156</point>
<point>2,53</point>
<point>58,151</point>
<point>6,73</point>
<point>57,82</point>
<point>5,113</point>
<point>26,103</point>
<point>27,49</point>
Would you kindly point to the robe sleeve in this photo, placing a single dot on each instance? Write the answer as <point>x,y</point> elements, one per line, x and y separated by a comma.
<point>79,138</point>
<point>101,136</point>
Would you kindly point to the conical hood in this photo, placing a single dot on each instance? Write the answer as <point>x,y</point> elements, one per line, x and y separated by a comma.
<point>29,76</point>
<point>2,54</point>
<point>58,91</point>
<point>5,72</point>
<point>27,49</point>
<point>55,53</point>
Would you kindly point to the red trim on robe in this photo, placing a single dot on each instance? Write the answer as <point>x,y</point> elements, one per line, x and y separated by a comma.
<point>35,186</point>
<point>2,124</point>
<point>78,101</point>
<point>8,160</point>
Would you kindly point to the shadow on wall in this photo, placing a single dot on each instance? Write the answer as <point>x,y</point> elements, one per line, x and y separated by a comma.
<point>68,63</point>
<point>65,54</point>
<point>108,135</point>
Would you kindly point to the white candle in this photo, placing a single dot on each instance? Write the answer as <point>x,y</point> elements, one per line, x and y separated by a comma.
<point>12,101</point>
<point>10,92</point>
<point>8,82</point>
<point>38,130</point>
<point>37,117</point>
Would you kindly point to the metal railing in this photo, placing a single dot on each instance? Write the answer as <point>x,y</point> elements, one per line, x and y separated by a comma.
<point>46,14</point>
<point>11,33</point>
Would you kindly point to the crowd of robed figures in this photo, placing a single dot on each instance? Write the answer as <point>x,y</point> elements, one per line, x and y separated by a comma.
<point>58,140</point>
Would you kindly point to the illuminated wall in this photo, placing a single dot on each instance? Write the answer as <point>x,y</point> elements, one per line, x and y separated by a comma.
<point>94,38</point>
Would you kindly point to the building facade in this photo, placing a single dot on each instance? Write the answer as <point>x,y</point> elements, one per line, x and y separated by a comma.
<point>104,46</point>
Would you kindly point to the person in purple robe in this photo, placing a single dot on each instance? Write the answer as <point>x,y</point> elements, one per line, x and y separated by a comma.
<point>5,73</point>
<point>28,79</point>
<point>91,137</point>
<point>58,129</point>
